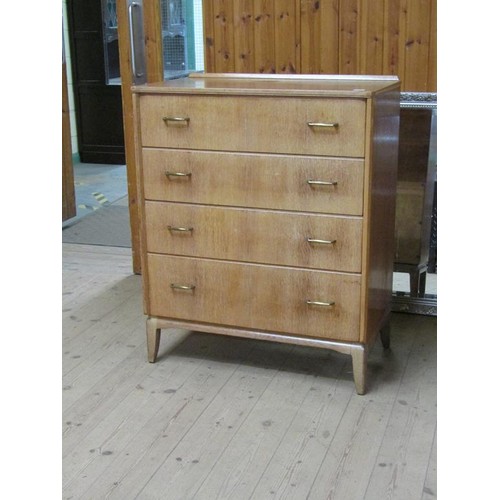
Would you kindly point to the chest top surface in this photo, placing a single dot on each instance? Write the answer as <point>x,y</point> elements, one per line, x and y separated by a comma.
<point>349,86</point>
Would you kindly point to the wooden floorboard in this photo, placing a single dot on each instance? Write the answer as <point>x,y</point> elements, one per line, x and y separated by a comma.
<point>227,418</point>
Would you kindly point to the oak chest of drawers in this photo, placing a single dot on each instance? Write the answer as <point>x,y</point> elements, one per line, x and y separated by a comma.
<point>267,208</point>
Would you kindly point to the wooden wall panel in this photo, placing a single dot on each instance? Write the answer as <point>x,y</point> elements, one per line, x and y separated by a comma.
<point>265,59</point>
<point>393,33</point>
<point>209,35</point>
<point>371,51</point>
<point>432,64</point>
<point>349,36</point>
<point>285,46</point>
<point>244,42</point>
<point>392,37</point>
<point>319,36</point>
<point>416,57</point>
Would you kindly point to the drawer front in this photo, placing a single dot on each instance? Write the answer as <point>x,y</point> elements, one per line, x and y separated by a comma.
<point>297,183</point>
<point>312,241</point>
<point>258,297</point>
<point>317,126</point>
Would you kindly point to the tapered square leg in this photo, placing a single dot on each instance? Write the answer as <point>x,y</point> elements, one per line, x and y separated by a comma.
<point>359,364</point>
<point>153,334</point>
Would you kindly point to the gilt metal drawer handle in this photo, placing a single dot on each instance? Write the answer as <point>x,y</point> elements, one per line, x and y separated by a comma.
<point>177,286</point>
<point>319,303</point>
<point>323,125</point>
<point>321,242</point>
<point>177,174</point>
<point>313,182</point>
<point>180,229</point>
<point>176,120</point>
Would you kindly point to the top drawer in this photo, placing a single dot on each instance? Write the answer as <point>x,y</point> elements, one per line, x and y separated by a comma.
<point>315,126</point>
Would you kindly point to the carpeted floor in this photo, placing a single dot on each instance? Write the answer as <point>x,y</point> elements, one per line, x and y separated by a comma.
<point>102,207</point>
<point>109,226</point>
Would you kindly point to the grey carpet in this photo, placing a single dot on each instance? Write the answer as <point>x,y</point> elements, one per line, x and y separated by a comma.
<point>108,226</point>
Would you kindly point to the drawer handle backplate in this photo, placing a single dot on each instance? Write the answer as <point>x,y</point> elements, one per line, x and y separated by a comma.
<point>321,242</point>
<point>180,121</point>
<point>319,303</point>
<point>330,126</point>
<point>177,286</point>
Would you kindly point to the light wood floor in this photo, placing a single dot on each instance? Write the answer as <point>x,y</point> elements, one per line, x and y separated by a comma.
<point>228,418</point>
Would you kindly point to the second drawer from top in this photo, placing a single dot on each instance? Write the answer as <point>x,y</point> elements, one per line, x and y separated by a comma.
<point>296,183</point>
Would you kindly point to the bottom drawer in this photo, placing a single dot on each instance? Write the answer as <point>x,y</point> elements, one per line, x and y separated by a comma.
<point>268,298</point>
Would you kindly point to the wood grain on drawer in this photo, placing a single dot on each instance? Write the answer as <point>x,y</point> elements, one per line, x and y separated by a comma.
<point>252,180</point>
<point>254,124</point>
<point>252,296</point>
<point>269,237</point>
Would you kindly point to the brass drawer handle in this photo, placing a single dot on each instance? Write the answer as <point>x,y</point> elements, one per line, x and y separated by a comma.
<point>177,174</point>
<point>319,303</point>
<point>176,120</point>
<point>312,182</point>
<point>321,242</point>
<point>180,229</point>
<point>177,286</point>
<point>323,125</point>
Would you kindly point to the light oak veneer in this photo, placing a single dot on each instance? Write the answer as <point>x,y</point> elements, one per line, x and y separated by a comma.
<point>267,208</point>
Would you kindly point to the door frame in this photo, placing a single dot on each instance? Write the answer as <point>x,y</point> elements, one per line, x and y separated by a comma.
<point>154,73</point>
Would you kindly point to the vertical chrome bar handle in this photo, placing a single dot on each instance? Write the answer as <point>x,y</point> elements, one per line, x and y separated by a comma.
<point>131,8</point>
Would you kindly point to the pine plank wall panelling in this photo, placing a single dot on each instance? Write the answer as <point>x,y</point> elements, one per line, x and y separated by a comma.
<point>389,37</point>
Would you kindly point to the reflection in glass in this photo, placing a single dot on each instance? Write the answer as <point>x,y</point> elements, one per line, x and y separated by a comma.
<point>182,32</point>
<point>110,32</point>
<point>182,36</point>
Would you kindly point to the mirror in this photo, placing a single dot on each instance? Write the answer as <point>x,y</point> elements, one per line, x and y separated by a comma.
<point>415,260</point>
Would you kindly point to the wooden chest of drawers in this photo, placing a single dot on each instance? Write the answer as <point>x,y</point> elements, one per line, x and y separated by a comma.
<point>267,208</point>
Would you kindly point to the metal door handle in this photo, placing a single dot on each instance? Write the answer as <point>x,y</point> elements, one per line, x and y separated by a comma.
<point>131,8</point>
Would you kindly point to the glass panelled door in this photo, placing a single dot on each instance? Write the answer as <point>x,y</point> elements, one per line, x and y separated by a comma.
<point>158,39</point>
<point>181,37</point>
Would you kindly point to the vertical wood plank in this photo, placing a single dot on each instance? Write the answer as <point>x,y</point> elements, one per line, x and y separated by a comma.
<point>264,36</point>
<point>298,41</point>
<point>128,127</point>
<point>349,37</point>
<point>243,36</point>
<point>154,43</point>
<point>417,45</point>
<point>284,28</point>
<point>68,182</point>
<point>320,36</point>
<point>432,77</point>
<point>329,29</point>
<point>392,36</point>
<point>223,36</point>
<point>209,35</point>
<point>310,33</point>
<point>371,37</point>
